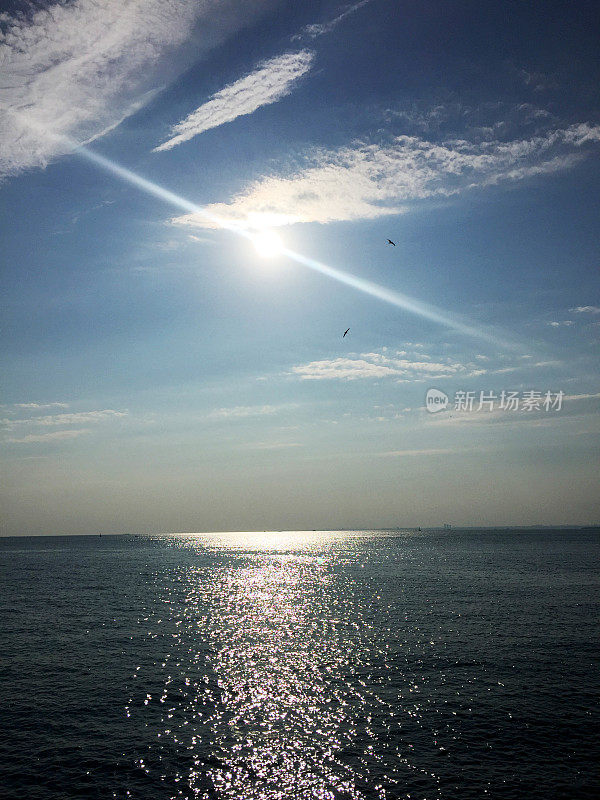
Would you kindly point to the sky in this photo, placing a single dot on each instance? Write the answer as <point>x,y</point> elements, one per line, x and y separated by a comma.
<point>196,200</point>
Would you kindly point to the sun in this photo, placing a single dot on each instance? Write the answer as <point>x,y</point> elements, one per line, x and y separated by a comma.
<point>268,244</point>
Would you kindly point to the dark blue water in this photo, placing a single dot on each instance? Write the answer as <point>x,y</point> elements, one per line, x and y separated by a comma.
<point>329,665</point>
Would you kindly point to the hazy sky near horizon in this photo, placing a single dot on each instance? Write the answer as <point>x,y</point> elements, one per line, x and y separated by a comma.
<point>160,374</point>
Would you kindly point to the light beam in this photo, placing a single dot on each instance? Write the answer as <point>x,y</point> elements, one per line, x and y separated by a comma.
<point>378,291</point>
<point>368,287</point>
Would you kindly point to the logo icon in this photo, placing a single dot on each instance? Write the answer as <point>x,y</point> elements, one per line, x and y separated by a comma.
<point>435,401</point>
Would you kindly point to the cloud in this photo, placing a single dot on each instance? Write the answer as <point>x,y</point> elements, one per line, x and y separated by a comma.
<point>538,81</point>
<point>241,412</point>
<point>404,368</point>
<point>342,368</point>
<point>430,452</point>
<point>75,418</point>
<point>49,437</point>
<point>374,365</point>
<point>272,445</point>
<point>565,323</point>
<point>318,29</point>
<point>366,181</point>
<point>267,84</point>
<point>16,407</point>
<point>77,69</point>
<point>576,397</point>
<point>586,309</point>
<point>41,405</point>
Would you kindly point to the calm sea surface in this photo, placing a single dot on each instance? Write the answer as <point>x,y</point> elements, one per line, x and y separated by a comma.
<point>359,664</point>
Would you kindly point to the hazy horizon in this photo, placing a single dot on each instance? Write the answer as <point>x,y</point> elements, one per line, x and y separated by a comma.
<point>390,529</point>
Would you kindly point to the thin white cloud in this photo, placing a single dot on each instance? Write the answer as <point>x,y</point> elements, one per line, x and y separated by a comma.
<point>366,181</point>
<point>402,367</point>
<point>374,365</point>
<point>586,309</point>
<point>54,436</point>
<point>41,405</point>
<point>270,82</point>
<point>426,452</point>
<point>272,445</point>
<point>342,368</point>
<point>566,323</point>
<point>20,407</point>
<point>575,397</point>
<point>77,69</point>
<point>241,412</point>
<point>75,418</point>
<point>319,29</point>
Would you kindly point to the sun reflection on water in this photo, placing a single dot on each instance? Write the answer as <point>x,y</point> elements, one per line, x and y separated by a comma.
<point>274,674</point>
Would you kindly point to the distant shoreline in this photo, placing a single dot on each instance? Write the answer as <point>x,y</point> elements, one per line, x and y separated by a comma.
<point>453,529</point>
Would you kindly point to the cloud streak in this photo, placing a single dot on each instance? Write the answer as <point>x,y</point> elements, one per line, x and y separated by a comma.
<point>319,29</point>
<point>270,82</point>
<point>54,436</point>
<point>77,69</point>
<point>75,418</point>
<point>366,181</point>
<point>586,309</point>
<point>409,453</point>
<point>243,412</point>
<point>402,367</point>
<point>375,365</point>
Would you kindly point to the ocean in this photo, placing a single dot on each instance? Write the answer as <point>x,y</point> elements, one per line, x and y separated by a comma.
<point>335,664</point>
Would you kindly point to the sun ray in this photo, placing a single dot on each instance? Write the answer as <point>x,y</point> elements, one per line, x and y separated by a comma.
<point>424,310</point>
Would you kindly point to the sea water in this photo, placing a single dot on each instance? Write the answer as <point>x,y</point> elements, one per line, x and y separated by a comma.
<point>354,664</point>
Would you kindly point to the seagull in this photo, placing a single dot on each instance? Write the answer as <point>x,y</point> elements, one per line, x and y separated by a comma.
<point>345,332</point>
<point>389,241</point>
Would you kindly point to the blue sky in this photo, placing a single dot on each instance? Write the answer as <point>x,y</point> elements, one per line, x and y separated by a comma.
<point>160,374</point>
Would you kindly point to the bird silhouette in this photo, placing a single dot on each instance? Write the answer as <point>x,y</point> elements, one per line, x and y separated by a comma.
<point>389,241</point>
<point>345,332</point>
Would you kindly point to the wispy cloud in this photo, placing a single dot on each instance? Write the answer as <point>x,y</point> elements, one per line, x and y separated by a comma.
<point>365,181</point>
<point>409,367</point>
<point>241,412</point>
<point>318,29</point>
<point>54,436</point>
<point>77,69</point>
<point>32,429</point>
<point>342,368</point>
<point>41,405</point>
<point>568,398</point>
<point>566,323</point>
<point>374,365</point>
<point>538,81</point>
<point>267,84</point>
<point>585,310</point>
<point>20,407</point>
<point>75,418</point>
<point>272,445</point>
<point>424,452</point>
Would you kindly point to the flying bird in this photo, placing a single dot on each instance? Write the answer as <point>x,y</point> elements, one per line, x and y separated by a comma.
<point>345,332</point>
<point>389,241</point>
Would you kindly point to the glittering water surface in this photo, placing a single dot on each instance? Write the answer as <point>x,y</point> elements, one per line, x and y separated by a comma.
<point>359,664</point>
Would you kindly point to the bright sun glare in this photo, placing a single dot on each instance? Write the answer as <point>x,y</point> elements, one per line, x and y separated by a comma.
<point>268,244</point>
